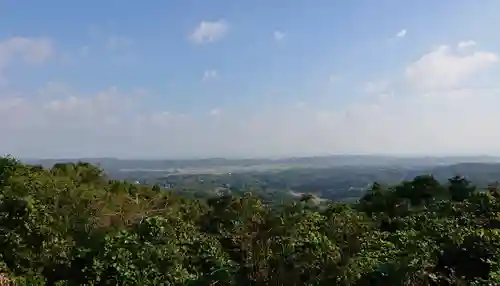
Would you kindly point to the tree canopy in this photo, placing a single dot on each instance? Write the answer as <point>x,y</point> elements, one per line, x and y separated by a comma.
<point>70,225</point>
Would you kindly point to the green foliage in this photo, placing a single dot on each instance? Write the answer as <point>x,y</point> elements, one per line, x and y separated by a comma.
<point>69,225</point>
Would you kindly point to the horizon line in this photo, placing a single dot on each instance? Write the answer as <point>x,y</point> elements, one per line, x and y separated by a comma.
<point>283,157</point>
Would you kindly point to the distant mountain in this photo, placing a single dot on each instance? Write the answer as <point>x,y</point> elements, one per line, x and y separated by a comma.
<point>352,181</point>
<point>332,177</point>
<point>112,164</point>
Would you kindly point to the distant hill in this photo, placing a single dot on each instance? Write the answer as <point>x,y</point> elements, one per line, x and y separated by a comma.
<point>112,164</point>
<point>332,177</point>
<point>479,173</point>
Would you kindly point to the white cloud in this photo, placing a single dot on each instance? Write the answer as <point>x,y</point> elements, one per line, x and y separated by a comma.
<point>378,86</point>
<point>278,36</point>
<point>210,75</point>
<point>444,68</point>
<point>31,51</point>
<point>28,50</point>
<point>55,89</point>
<point>466,44</point>
<point>215,112</point>
<point>209,31</point>
<point>401,34</point>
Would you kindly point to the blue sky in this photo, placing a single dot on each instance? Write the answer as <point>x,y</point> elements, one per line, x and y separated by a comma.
<point>247,78</point>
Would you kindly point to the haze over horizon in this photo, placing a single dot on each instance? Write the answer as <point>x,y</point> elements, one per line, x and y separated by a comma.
<point>174,79</point>
<point>466,157</point>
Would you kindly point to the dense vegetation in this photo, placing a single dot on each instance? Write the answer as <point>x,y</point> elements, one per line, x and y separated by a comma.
<point>338,183</point>
<point>70,225</point>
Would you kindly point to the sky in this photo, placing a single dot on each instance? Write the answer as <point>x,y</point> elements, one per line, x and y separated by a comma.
<point>186,78</point>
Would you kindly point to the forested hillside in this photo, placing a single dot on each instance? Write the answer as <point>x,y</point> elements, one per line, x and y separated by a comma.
<point>341,183</point>
<point>70,225</point>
